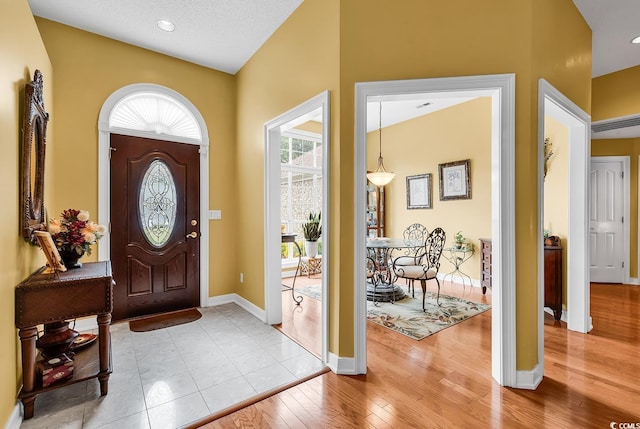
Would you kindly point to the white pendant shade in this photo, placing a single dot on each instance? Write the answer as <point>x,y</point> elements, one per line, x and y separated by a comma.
<point>380,177</point>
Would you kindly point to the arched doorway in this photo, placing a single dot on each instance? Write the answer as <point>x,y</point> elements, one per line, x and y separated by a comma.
<point>153,112</point>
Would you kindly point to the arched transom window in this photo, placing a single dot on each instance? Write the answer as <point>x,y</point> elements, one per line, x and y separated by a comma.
<point>155,113</point>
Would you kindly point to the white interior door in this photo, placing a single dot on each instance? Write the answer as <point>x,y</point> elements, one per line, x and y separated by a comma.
<point>606,237</point>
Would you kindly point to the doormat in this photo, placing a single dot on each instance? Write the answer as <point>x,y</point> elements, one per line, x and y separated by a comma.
<point>406,316</point>
<point>164,320</point>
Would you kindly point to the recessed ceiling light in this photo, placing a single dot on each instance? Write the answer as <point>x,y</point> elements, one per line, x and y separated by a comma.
<point>636,40</point>
<point>165,25</point>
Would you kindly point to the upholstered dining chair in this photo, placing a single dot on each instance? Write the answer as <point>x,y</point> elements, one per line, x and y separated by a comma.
<point>429,263</point>
<point>415,232</point>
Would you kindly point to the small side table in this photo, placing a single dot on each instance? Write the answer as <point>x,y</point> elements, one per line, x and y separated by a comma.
<point>310,265</point>
<point>458,256</point>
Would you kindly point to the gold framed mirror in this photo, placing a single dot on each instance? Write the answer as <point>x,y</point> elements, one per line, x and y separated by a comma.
<point>34,136</point>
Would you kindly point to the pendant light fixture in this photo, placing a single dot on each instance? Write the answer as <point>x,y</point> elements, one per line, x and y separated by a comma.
<point>380,177</point>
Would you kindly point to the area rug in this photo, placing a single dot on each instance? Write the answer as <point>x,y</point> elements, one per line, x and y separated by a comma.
<point>406,316</point>
<point>164,320</point>
<point>314,291</point>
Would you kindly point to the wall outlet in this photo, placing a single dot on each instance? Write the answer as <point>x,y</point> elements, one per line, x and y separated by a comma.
<point>241,277</point>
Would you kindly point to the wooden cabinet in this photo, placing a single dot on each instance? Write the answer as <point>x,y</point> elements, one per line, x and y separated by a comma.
<point>375,211</point>
<point>49,298</point>
<point>485,263</point>
<point>553,279</point>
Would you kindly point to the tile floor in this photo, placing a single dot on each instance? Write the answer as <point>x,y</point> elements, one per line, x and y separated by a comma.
<point>170,377</point>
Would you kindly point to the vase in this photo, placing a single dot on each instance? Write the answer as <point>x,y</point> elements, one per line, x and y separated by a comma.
<point>70,258</point>
<point>311,247</point>
<point>56,340</point>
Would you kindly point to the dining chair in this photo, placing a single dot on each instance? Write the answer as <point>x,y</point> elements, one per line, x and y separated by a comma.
<point>373,276</point>
<point>414,232</point>
<point>429,264</point>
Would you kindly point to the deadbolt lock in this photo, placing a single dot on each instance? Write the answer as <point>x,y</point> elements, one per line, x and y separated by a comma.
<point>194,222</point>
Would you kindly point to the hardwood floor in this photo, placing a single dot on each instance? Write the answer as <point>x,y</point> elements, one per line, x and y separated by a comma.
<point>444,381</point>
<point>302,323</point>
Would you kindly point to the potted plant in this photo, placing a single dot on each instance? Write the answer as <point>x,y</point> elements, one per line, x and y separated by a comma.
<point>312,230</point>
<point>459,240</point>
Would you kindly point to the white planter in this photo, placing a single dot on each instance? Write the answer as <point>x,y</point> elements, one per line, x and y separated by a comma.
<point>311,248</point>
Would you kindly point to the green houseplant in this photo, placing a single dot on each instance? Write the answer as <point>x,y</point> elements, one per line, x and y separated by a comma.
<point>459,239</point>
<point>312,230</point>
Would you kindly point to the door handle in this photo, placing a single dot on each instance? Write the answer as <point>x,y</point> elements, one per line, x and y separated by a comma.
<point>192,235</point>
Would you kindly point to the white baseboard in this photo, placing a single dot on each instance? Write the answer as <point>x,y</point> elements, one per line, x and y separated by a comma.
<point>563,318</point>
<point>459,279</point>
<point>342,366</point>
<point>86,324</point>
<point>242,302</point>
<point>529,379</point>
<point>634,281</point>
<point>15,419</point>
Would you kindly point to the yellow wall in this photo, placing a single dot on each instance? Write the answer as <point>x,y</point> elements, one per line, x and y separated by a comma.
<point>89,68</point>
<point>533,39</point>
<point>21,53</point>
<point>417,147</point>
<point>298,62</point>
<point>630,148</point>
<point>556,189</point>
<point>616,94</point>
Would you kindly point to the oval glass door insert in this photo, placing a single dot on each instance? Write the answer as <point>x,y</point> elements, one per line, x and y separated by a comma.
<point>157,204</point>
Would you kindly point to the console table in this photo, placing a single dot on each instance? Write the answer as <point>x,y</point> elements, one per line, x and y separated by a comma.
<point>553,279</point>
<point>48,298</point>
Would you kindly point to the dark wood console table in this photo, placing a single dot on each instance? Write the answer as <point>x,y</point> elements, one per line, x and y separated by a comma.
<point>553,279</point>
<point>46,298</point>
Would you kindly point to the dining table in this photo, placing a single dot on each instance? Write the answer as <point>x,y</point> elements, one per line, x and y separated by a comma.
<point>382,286</point>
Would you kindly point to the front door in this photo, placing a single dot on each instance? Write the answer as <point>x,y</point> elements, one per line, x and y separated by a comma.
<point>155,221</point>
<point>606,219</point>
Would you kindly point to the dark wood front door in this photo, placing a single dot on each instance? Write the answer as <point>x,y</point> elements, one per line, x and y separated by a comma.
<point>155,226</point>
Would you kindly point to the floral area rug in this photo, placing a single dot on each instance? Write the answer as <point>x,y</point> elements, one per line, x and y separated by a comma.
<point>314,291</point>
<point>407,318</point>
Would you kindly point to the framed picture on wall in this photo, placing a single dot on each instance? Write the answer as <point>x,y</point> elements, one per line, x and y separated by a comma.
<point>419,191</point>
<point>455,180</point>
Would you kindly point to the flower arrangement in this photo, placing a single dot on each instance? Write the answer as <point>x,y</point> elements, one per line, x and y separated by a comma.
<point>74,232</point>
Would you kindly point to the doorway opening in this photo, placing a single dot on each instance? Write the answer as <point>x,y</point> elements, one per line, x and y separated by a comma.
<point>500,88</point>
<point>296,184</point>
<point>553,104</point>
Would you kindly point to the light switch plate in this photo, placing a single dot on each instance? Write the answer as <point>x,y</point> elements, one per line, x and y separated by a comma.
<point>215,214</point>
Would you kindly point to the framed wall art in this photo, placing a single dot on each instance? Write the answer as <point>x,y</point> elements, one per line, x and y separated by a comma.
<point>54,262</point>
<point>419,191</point>
<point>455,180</point>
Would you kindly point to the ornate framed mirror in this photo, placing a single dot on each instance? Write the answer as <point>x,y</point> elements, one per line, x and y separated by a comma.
<point>34,136</point>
